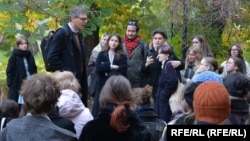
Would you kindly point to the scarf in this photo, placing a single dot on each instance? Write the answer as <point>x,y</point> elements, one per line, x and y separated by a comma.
<point>189,72</point>
<point>131,44</point>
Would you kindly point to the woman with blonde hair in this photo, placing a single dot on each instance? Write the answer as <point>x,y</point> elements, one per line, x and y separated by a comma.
<point>192,62</point>
<point>69,103</point>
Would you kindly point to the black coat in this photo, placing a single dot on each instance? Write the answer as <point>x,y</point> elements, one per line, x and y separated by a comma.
<point>99,129</point>
<point>66,56</point>
<point>152,73</point>
<point>168,83</point>
<point>104,72</point>
<point>16,71</point>
<point>61,121</point>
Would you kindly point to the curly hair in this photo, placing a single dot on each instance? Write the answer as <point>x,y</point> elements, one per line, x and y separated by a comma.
<point>40,93</point>
<point>143,96</point>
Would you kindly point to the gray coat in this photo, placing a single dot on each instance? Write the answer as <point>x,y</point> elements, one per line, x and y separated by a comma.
<point>35,128</point>
<point>135,63</point>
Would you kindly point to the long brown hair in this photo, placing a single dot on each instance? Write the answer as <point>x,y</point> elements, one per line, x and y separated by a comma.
<point>117,90</point>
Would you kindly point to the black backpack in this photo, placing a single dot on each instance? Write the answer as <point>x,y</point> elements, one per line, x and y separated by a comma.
<point>46,42</point>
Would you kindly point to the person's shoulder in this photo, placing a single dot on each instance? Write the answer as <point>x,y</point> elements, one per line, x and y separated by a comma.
<point>142,43</point>
<point>64,30</point>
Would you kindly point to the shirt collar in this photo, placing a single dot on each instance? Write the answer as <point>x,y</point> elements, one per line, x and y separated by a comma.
<point>72,29</point>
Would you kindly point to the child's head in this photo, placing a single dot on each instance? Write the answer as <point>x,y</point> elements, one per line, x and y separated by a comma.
<point>67,80</point>
<point>9,108</point>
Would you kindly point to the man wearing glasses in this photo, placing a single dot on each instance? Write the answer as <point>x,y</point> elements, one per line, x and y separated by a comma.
<point>68,52</point>
<point>135,48</point>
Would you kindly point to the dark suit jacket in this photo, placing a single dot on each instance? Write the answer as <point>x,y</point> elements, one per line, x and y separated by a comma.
<point>67,56</point>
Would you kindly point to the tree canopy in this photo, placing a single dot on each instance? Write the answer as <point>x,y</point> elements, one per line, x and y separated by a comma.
<point>222,22</point>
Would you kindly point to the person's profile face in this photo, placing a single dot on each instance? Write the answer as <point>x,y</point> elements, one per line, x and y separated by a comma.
<point>80,21</point>
<point>131,32</point>
<point>203,66</point>
<point>230,66</point>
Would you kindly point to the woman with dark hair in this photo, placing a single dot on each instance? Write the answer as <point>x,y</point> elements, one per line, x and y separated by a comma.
<point>110,61</point>
<point>168,82</point>
<point>116,121</point>
<point>236,51</point>
<point>234,64</point>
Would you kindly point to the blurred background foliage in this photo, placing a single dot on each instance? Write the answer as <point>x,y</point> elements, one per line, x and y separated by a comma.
<point>221,22</point>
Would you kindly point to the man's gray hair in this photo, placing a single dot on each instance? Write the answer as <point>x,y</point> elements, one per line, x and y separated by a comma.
<point>76,11</point>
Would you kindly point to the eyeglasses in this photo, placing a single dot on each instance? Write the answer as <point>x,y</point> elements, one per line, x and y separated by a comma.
<point>83,19</point>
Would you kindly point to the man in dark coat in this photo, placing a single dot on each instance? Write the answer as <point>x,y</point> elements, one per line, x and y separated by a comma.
<point>69,53</point>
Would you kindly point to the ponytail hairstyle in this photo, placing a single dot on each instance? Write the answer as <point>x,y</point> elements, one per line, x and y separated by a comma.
<point>117,90</point>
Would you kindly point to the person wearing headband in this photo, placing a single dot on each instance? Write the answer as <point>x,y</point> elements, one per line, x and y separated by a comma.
<point>134,47</point>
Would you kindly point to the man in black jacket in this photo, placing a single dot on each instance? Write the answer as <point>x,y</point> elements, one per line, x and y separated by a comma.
<point>67,50</point>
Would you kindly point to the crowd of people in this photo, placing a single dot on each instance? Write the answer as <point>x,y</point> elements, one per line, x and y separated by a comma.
<point>131,83</point>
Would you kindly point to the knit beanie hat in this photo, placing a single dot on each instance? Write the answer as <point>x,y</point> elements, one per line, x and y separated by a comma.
<point>207,76</point>
<point>189,93</point>
<point>211,102</point>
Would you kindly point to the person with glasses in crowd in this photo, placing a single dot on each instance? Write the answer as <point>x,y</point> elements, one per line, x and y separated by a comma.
<point>68,52</point>
<point>235,51</point>
<point>134,48</point>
